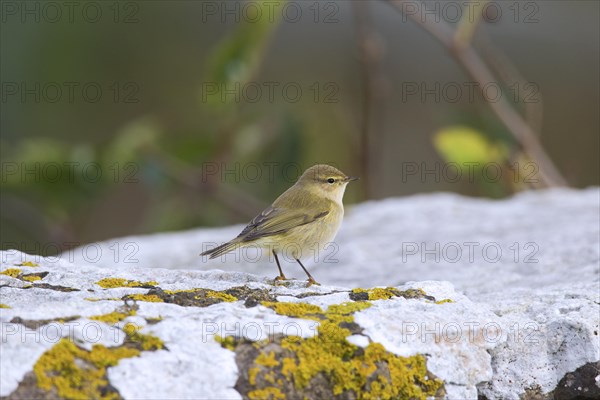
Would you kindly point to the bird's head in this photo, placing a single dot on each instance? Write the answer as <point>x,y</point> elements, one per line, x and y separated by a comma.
<point>326,181</point>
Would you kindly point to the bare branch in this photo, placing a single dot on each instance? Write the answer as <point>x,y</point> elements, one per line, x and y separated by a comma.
<point>472,63</point>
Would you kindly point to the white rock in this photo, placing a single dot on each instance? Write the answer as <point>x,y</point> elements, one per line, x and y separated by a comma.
<point>512,324</point>
<point>456,336</point>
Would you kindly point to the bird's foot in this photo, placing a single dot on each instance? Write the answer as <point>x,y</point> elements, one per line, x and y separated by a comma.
<point>311,282</point>
<point>279,279</point>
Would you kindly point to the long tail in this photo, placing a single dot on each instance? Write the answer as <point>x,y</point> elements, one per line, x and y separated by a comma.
<point>220,250</point>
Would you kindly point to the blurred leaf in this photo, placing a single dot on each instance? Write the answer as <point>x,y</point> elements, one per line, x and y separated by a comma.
<point>249,139</point>
<point>461,145</point>
<point>40,150</point>
<point>133,137</point>
<point>236,58</point>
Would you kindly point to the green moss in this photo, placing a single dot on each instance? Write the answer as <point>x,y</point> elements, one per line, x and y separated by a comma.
<point>108,283</point>
<point>2,305</point>
<point>78,374</point>
<point>444,301</point>
<point>28,264</point>
<point>145,341</point>
<point>12,272</point>
<point>269,393</point>
<point>220,295</point>
<point>145,297</point>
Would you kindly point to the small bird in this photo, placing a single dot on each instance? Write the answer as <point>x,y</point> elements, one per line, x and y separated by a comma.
<point>304,219</point>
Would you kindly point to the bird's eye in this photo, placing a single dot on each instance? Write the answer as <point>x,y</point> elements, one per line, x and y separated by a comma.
<point>330,180</point>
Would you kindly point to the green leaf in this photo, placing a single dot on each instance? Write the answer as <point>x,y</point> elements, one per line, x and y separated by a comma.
<point>461,145</point>
<point>236,59</point>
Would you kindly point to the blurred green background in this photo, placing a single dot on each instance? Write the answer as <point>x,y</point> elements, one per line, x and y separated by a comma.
<point>112,122</point>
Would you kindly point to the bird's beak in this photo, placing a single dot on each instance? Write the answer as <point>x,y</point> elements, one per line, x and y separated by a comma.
<point>351,178</point>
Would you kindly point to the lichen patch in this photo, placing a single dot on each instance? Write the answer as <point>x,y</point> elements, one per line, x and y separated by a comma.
<point>360,294</point>
<point>70,372</point>
<point>327,365</point>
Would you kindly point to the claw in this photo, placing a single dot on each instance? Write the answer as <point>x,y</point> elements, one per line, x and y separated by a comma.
<point>311,282</point>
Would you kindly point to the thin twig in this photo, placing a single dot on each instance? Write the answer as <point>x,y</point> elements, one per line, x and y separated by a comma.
<point>190,176</point>
<point>505,70</point>
<point>371,54</point>
<point>472,63</point>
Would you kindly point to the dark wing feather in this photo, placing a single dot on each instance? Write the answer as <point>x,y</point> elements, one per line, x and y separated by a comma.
<point>273,221</point>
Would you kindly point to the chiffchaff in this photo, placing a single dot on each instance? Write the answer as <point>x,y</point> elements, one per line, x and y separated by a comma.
<point>303,219</point>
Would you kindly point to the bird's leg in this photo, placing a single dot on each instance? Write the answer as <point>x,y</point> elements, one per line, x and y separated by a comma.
<point>281,276</point>
<point>311,280</point>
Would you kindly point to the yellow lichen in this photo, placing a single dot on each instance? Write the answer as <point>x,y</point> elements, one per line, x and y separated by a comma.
<point>146,342</point>
<point>2,305</point>
<point>152,320</point>
<point>28,264</point>
<point>146,297</point>
<point>252,374</point>
<point>269,393</point>
<point>267,360</point>
<point>289,365</point>
<point>227,342</point>
<point>12,272</point>
<point>204,293</point>
<point>76,373</point>
<point>444,301</point>
<point>181,291</point>
<point>113,317</point>
<point>222,296</point>
<point>270,377</point>
<point>389,292</point>
<point>32,278</point>
<point>108,283</point>
<point>345,309</point>
<point>298,310</point>
<point>347,367</point>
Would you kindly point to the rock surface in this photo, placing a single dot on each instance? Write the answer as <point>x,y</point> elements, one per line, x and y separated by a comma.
<point>477,298</point>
